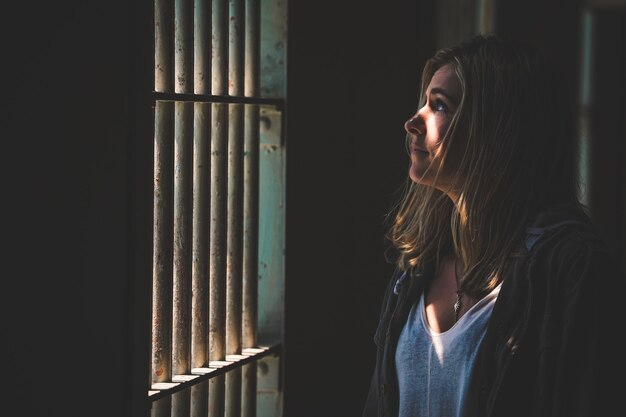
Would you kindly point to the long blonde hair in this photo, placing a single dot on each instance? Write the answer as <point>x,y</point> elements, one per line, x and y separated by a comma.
<point>514,129</point>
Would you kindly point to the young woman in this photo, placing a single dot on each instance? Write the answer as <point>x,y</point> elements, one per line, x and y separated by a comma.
<point>504,301</point>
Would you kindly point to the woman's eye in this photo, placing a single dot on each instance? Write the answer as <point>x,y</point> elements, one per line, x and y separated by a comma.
<point>440,106</point>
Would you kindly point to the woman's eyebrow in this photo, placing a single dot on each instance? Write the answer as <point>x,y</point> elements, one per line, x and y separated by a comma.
<point>441,91</point>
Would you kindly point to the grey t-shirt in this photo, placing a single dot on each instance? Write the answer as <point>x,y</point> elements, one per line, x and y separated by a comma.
<point>434,368</point>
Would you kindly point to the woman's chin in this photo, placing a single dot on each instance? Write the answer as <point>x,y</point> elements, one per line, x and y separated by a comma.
<point>416,175</point>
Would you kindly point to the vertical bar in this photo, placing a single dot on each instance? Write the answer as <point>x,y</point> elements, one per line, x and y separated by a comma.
<point>485,16</point>
<point>200,265</point>
<point>585,102</point>
<point>199,400</point>
<point>235,204</point>
<point>163,238</point>
<point>181,343</point>
<point>219,137</point>
<point>250,204</point>
<point>249,390</point>
<point>234,255</point>
<point>161,408</point>
<point>163,57</point>
<point>217,249</point>
<point>202,149</point>
<point>183,46</point>
<point>251,176</point>
<point>236,44</point>
<point>202,47</point>
<point>183,83</point>
<point>219,57</point>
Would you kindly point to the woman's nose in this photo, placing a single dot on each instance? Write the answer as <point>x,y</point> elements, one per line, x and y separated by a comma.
<point>414,125</point>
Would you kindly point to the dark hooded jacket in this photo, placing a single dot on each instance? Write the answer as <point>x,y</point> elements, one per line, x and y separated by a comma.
<point>554,343</point>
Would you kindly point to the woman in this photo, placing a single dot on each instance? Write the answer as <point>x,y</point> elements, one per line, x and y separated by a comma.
<point>504,300</point>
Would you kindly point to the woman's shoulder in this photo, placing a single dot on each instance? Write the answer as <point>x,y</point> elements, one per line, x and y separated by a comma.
<point>563,227</point>
<point>569,249</point>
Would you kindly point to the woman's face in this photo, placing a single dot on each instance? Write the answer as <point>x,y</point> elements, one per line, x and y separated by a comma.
<point>427,128</point>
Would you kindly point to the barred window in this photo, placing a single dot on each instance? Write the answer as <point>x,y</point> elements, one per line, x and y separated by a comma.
<point>218,207</point>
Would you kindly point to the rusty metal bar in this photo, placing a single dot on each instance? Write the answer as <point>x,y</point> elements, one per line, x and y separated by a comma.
<point>202,47</point>
<point>234,255</point>
<point>251,204</point>
<point>233,393</point>
<point>200,257</point>
<point>183,148</point>
<point>217,249</point>
<point>216,396</point>
<point>200,400</point>
<point>235,203</point>
<point>183,46</point>
<point>161,407</point>
<point>219,64</point>
<point>252,49</point>
<point>219,160</point>
<point>162,244</point>
<point>278,103</point>
<point>251,177</point>
<point>235,185</point>
<point>250,226</point>
<point>249,390</point>
<point>216,369</point>
<point>163,50</point>
<point>181,343</point>
<point>217,241</point>
<point>236,42</point>
<point>181,346</point>
<point>250,254</point>
<point>180,404</point>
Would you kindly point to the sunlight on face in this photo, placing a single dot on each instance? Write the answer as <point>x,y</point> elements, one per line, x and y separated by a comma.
<point>428,127</point>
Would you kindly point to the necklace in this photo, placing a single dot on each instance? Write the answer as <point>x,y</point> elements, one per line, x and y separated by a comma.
<point>457,303</point>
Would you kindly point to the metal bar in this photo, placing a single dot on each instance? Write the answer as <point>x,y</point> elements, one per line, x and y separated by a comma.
<point>219,159</point>
<point>162,244</point>
<point>279,103</point>
<point>200,400</point>
<point>235,204</point>
<point>181,343</point>
<point>249,390</point>
<point>217,242</point>
<point>252,49</point>
<point>180,403</point>
<point>234,255</point>
<point>236,42</point>
<point>202,47</point>
<point>250,226</point>
<point>183,46</point>
<point>251,177</point>
<point>233,393</point>
<point>251,204</point>
<point>585,103</point>
<point>219,67</point>
<point>485,16</point>
<point>250,254</point>
<point>217,250</point>
<point>161,407</point>
<point>200,257</point>
<point>215,370</point>
<point>216,396</point>
<point>163,50</point>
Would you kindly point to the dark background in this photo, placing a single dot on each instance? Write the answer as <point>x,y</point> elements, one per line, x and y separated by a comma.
<point>70,122</point>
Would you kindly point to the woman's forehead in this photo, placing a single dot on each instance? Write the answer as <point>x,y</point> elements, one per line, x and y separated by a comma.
<point>445,78</point>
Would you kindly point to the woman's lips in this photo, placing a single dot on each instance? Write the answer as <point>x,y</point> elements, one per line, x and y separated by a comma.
<point>416,149</point>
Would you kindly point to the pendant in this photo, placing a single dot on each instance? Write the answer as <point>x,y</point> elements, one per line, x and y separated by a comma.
<point>457,306</point>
